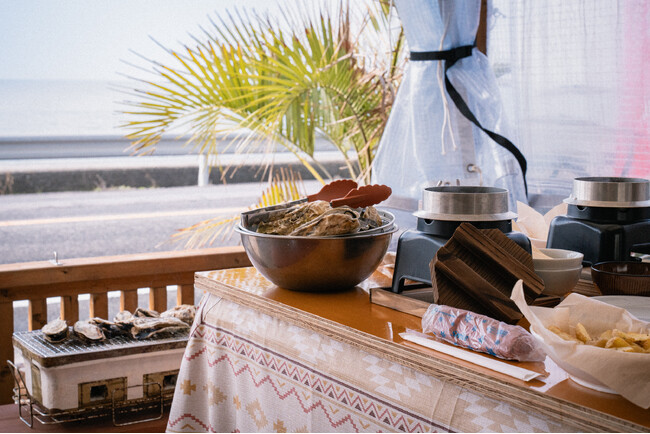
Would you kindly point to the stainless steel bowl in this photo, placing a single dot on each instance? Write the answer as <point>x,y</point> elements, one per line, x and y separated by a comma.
<point>317,264</point>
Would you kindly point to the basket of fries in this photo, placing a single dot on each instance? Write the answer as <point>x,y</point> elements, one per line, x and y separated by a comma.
<point>600,346</point>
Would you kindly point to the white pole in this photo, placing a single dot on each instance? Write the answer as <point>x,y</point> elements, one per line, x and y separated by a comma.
<point>204,172</point>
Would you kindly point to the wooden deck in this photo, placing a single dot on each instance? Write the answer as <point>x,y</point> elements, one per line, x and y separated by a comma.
<point>10,422</point>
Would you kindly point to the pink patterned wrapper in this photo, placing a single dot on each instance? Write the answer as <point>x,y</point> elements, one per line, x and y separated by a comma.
<point>481,333</point>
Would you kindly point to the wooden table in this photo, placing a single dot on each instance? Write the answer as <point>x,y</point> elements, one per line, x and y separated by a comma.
<point>262,358</point>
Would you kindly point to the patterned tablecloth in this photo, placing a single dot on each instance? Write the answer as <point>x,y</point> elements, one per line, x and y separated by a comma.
<point>245,371</point>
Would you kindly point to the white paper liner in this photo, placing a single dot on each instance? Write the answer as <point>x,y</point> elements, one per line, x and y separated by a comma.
<point>626,373</point>
<point>495,365</point>
<point>535,225</point>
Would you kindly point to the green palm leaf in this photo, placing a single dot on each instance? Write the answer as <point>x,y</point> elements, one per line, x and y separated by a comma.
<point>276,81</point>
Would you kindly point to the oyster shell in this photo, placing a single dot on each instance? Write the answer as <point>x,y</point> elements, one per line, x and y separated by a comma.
<point>320,219</point>
<point>184,312</point>
<point>124,318</point>
<point>284,223</point>
<point>110,329</point>
<point>370,218</point>
<point>88,331</point>
<point>144,328</point>
<point>148,313</point>
<point>336,221</point>
<point>56,331</point>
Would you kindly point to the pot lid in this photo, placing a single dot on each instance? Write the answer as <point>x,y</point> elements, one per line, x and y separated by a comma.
<point>465,203</point>
<point>610,192</point>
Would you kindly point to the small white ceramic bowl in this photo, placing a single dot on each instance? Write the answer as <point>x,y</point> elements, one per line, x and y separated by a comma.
<point>559,282</point>
<point>538,242</point>
<point>557,259</point>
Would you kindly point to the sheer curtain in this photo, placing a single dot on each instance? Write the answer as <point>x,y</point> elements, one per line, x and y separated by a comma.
<point>427,139</point>
<point>575,81</point>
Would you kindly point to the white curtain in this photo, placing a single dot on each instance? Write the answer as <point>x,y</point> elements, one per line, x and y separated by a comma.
<point>427,139</point>
<point>575,81</point>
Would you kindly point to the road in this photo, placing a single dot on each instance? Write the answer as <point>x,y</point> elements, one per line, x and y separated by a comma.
<point>112,222</point>
<point>115,222</point>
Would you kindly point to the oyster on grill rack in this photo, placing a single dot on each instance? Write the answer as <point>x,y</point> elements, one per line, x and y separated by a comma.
<point>184,312</point>
<point>123,318</point>
<point>142,312</point>
<point>110,329</point>
<point>88,331</point>
<point>145,328</point>
<point>56,331</point>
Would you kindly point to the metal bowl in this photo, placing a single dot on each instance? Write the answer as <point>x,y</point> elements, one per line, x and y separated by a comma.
<point>316,264</point>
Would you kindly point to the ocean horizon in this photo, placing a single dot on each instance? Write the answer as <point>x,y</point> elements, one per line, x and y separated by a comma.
<point>50,108</point>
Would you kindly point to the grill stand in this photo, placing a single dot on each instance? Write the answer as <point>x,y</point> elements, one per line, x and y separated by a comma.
<point>22,397</point>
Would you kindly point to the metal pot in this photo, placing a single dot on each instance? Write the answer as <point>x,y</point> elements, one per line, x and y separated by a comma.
<point>610,192</point>
<point>465,203</point>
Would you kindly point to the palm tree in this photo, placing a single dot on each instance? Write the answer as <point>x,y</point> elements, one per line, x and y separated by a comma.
<point>278,81</point>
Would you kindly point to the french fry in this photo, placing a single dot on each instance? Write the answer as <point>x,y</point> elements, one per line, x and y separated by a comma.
<point>563,335</point>
<point>600,342</point>
<point>628,342</point>
<point>616,342</point>
<point>607,334</point>
<point>581,333</point>
<point>633,337</point>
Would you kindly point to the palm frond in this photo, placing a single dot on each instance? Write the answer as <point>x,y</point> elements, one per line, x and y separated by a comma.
<point>284,187</point>
<point>276,81</point>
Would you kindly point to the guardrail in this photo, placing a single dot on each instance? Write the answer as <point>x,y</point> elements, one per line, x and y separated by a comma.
<point>38,281</point>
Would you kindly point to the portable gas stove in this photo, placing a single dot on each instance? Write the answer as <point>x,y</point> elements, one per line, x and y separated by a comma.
<point>607,219</point>
<point>443,210</point>
<point>74,380</point>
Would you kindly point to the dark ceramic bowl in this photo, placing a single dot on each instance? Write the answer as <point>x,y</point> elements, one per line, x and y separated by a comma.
<point>622,278</point>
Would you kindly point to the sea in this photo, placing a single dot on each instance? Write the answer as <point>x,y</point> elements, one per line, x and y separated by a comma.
<point>50,108</point>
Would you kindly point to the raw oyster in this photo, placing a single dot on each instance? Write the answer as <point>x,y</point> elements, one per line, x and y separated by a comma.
<point>283,223</point>
<point>319,219</point>
<point>144,328</point>
<point>88,331</point>
<point>370,218</point>
<point>56,331</point>
<point>336,221</point>
<point>148,313</point>
<point>184,312</point>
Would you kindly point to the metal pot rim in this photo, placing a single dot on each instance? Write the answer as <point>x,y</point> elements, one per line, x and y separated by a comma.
<point>610,192</point>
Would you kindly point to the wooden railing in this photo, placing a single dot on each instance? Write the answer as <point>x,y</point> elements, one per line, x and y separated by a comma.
<point>37,281</point>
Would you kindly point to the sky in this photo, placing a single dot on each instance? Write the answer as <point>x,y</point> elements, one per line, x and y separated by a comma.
<point>88,39</point>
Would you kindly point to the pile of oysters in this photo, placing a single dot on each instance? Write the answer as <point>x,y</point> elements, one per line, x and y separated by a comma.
<point>141,324</point>
<point>319,219</point>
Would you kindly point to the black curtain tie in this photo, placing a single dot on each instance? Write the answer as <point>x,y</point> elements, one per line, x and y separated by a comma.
<point>450,57</point>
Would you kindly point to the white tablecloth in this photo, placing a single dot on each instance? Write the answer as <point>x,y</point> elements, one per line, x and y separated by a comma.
<point>244,371</point>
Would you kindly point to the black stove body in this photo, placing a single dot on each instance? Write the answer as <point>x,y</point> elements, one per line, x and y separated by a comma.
<point>602,233</point>
<point>416,248</point>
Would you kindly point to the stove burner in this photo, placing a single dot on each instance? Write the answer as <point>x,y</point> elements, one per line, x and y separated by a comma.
<point>607,219</point>
<point>416,248</point>
<point>602,234</point>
